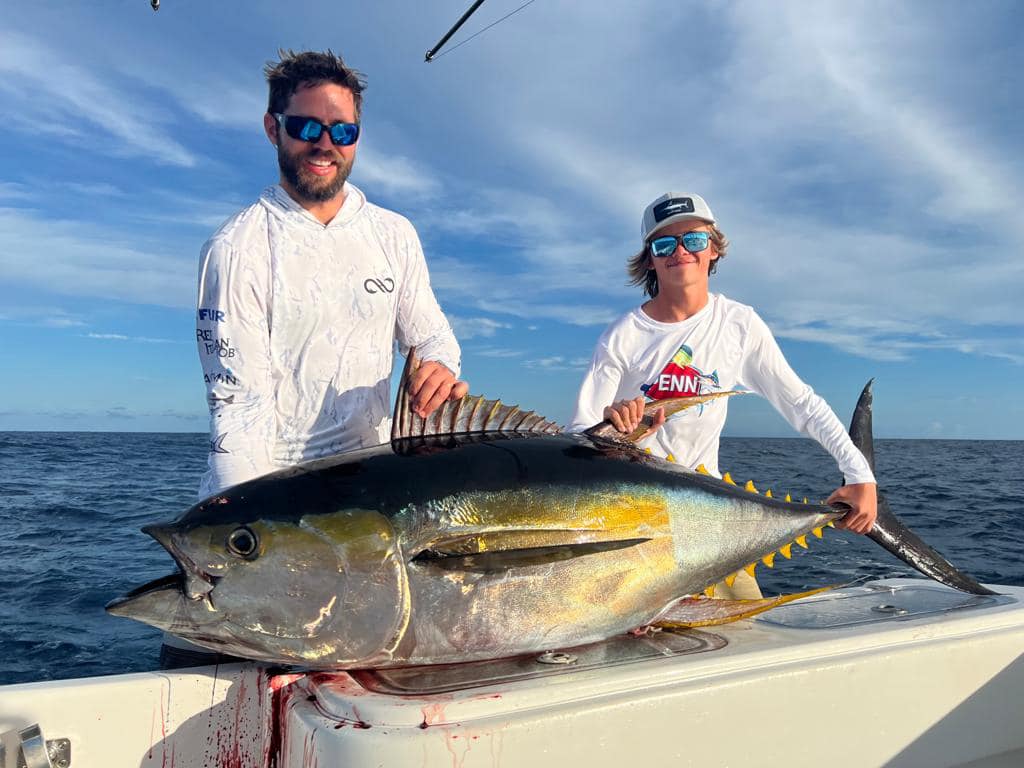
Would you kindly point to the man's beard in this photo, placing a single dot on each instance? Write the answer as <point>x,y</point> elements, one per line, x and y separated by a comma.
<point>309,187</point>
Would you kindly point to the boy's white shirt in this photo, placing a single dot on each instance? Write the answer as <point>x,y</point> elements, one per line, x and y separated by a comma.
<point>730,347</point>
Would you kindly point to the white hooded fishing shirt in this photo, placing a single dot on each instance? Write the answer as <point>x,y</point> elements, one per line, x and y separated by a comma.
<point>296,324</point>
<point>724,346</point>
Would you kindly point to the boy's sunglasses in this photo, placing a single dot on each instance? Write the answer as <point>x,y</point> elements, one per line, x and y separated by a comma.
<point>694,242</point>
<point>308,129</point>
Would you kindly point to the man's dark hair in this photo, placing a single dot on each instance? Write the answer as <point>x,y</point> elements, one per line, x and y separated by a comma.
<point>306,70</point>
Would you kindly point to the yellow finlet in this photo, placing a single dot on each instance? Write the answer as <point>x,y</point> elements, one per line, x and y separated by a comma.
<point>671,458</point>
<point>727,478</point>
<point>768,493</point>
<point>648,450</point>
<point>751,568</point>
<point>817,531</point>
<point>702,469</point>
<point>710,591</point>
<point>805,499</point>
<point>788,497</point>
<point>801,540</point>
<point>786,550</point>
<point>831,523</point>
<point>750,486</point>
<point>731,579</point>
<point>769,559</point>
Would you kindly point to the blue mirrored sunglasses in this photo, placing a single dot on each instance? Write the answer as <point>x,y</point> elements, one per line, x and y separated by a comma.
<point>694,242</point>
<point>309,129</point>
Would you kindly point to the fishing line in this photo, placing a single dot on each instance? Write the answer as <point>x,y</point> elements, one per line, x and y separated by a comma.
<point>480,32</point>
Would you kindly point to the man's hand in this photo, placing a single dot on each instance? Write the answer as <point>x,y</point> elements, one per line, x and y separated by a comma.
<point>625,416</point>
<point>862,499</point>
<point>431,385</point>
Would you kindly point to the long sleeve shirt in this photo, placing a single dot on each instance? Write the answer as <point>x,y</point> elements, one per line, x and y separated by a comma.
<point>296,328</point>
<point>724,346</point>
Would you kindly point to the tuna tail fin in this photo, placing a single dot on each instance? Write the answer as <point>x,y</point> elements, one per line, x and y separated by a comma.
<point>672,406</point>
<point>889,532</point>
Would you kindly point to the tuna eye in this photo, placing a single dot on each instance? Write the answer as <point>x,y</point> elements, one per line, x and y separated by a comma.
<point>243,542</point>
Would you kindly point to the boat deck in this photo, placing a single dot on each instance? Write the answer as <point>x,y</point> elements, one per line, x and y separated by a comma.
<point>892,673</point>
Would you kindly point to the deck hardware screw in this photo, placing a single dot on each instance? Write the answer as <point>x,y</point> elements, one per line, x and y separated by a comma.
<point>556,657</point>
<point>893,609</point>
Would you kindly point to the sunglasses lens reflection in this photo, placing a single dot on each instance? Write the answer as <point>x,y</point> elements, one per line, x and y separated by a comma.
<point>308,129</point>
<point>663,246</point>
<point>344,133</point>
<point>695,242</point>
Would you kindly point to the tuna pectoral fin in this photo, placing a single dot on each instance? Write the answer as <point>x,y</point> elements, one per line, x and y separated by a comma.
<point>672,406</point>
<point>889,531</point>
<point>503,560</point>
<point>705,611</point>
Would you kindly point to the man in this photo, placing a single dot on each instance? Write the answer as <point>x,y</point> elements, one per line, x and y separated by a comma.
<point>303,294</point>
<point>687,341</point>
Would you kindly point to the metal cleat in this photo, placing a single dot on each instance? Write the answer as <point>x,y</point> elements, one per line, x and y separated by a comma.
<point>26,748</point>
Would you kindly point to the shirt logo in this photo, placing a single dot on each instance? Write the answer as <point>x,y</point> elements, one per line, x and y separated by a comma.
<point>681,379</point>
<point>375,285</point>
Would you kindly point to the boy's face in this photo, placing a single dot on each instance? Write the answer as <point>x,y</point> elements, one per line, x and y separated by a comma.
<point>682,268</point>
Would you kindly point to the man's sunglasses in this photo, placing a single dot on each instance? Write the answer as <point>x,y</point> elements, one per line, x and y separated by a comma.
<point>308,129</point>
<point>694,242</point>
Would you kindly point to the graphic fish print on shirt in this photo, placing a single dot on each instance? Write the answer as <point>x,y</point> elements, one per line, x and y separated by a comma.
<point>681,379</point>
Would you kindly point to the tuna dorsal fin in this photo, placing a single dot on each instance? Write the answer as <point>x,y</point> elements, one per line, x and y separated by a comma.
<point>501,560</point>
<point>672,406</point>
<point>469,415</point>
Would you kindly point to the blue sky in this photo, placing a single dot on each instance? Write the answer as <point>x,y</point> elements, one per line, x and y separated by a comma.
<point>863,158</point>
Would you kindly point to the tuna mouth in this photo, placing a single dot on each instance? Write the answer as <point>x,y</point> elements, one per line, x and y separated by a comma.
<point>174,583</point>
<point>195,583</point>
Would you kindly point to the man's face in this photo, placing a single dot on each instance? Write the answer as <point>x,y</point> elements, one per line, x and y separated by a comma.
<point>683,268</point>
<point>316,172</point>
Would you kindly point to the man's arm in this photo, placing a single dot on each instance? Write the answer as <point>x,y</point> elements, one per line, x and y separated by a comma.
<point>233,338</point>
<point>422,324</point>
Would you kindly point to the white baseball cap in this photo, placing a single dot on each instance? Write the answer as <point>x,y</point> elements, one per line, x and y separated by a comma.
<point>674,206</point>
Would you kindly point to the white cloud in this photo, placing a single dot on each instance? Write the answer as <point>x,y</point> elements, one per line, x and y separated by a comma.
<point>392,174</point>
<point>44,92</point>
<point>558,363</point>
<point>76,258</point>
<point>12,190</point>
<point>497,352</point>
<point>473,327</point>
<point>137,339</point>
<point>40,315</point>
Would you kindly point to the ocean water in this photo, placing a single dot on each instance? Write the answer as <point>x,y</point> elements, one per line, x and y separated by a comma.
<point>72,504</point>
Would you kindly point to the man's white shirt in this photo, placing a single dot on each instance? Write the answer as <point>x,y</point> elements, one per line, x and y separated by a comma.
<point>296,324</point>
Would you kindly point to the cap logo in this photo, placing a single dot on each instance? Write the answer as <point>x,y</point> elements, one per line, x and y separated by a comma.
<point>671,207</point>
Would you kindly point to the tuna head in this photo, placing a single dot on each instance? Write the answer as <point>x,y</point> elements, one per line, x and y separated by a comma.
<point>320,590</point>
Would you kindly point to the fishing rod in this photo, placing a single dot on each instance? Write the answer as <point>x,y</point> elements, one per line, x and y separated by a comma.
<point>433,51</point>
